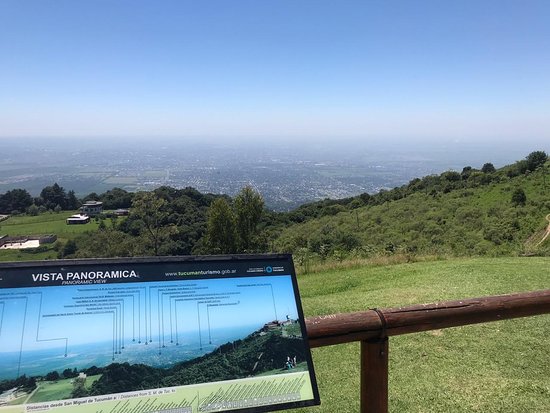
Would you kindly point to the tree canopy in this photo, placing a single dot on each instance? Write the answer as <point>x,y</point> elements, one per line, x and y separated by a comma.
<point>152,212</point>
<point>249,206</point>
<point>15,200</point>
<point>221,233</point>
<point>518,197</point>
<point>488,168</point>
<point>536,159</point>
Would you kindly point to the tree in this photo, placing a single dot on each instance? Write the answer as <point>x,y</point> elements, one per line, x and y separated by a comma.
<point>116,198</point>
<point>52,376</point>
<point>536,159</point>
<point>221,234</point>
<point>466,172</point>
<point>249,206</point>
<point>451,176</point>
<point>152,213</point>
<point>15,200</point>
<point>30,385</point>
<point>365,197</point>
<point>54,195</point>
<point>33,210</point>
<point>70,248</point>
<point>72,201</point>
<point>92,196</point>
<point>78,388</point>
<point>488,168</point>
<point>69,373</point>
<point>109,243</point>
<point>518,197</point>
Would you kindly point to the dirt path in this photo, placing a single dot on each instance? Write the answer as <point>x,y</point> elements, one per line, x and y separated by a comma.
<point>547,231</point>
<point>32,394</point>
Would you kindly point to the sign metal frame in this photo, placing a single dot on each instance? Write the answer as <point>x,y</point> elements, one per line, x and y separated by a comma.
<point>228,301</point>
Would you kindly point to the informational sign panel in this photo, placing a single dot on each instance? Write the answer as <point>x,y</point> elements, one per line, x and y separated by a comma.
<point>178,335</point>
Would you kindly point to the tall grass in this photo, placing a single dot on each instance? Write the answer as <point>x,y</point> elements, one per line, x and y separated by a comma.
<point>317,266</point>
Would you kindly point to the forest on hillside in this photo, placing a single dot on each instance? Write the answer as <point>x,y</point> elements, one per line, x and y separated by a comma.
<point>258,353</point>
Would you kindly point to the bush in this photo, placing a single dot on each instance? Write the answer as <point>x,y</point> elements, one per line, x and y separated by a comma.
<point>33,210</point>
<point>488,168</point>
<point>68,249</point>
<point>536,159</point>
<point>518,197</point>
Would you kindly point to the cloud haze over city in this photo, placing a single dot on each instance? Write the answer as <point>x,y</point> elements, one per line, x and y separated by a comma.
<point>427,70</point>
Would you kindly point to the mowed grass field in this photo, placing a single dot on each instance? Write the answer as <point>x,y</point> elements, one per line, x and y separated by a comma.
<point>47,223</point>
<point>494,367</point>
<point>58,390</point>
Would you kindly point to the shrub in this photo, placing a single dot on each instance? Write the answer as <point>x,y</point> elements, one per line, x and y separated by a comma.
<point>518,197</point>
<point>488,168</point>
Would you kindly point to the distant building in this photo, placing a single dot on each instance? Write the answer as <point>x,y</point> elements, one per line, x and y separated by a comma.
<point>272,325</point>
<point>26,241</point>
<point>78,219</point>
<point>92,208</point>
<point>121,212</point>
<point>20,244</point>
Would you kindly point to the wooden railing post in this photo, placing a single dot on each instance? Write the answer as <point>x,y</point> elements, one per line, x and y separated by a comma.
<point>374,376</point>
<point>372,328</point>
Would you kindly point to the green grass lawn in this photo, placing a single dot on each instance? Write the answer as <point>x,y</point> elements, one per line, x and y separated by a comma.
<point>28,255</point>
<point>495,367</point>
<point>299,367</point>
<point>47,223</point>
<point>57,390</point>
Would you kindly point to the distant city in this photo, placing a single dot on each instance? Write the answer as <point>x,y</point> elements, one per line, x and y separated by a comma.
<point>287,174</point>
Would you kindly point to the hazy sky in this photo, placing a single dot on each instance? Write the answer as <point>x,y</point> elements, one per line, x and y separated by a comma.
<point>391,69</point>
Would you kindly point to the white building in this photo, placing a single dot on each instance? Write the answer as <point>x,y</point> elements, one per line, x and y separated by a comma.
<point>78,219</point>
<point>8,396</point>
<point>92,208</point>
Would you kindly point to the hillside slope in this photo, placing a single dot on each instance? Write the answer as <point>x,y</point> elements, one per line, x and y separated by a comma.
<point>258,353</point>
<point>473,212</point>
<point>446,216</point>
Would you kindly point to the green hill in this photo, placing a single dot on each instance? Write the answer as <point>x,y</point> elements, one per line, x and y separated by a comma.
<point>258,353</point>
<point>473,213</point>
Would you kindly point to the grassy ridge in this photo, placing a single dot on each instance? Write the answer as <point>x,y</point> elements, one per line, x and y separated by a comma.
<point>258,353</point>
<point>494,367</point>
<point>58,390</point>
<point>474,220</point>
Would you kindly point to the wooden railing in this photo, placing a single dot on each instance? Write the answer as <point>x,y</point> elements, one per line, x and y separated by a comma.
<point>373,327</point>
